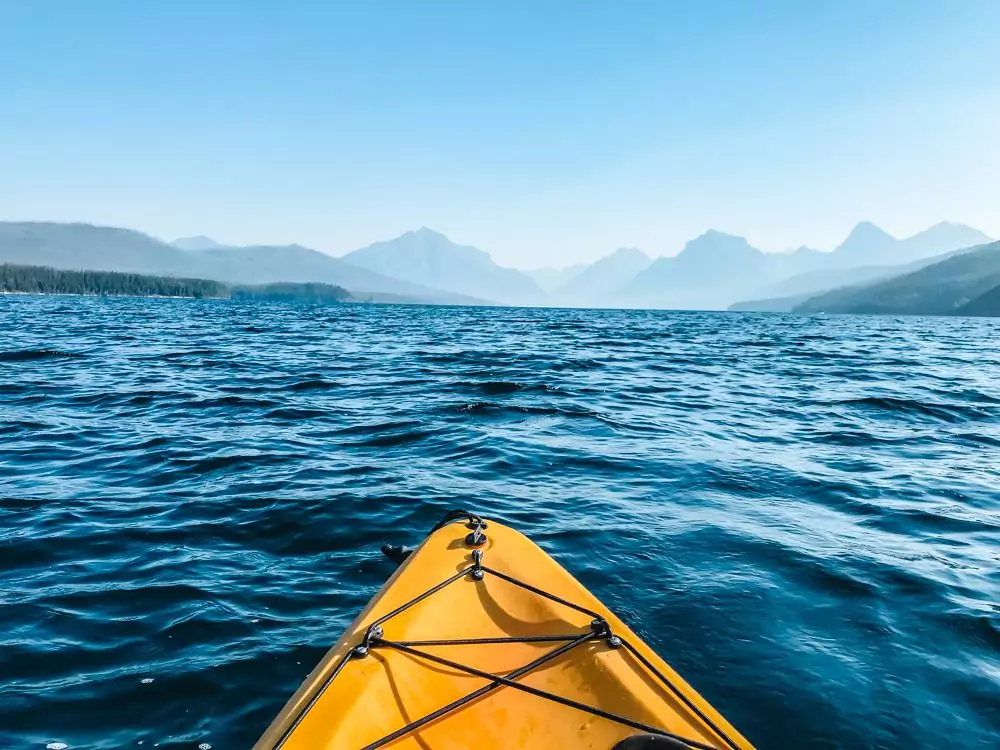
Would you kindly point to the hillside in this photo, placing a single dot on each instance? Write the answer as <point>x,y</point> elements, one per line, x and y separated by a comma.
<point>16,279</point>
<point>717,270</point>
<point>812,283</point>
<point>985,305</point>
<point>792,290</point>
<point>941,288</point>
<point>46,280</point>
<point>430,258</point>
<point>83,246</point>
<point>263,264</point>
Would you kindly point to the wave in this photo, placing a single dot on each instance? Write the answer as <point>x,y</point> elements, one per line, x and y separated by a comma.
<point>296,414</point>
<point>205,502</point>
<point>954,413</point>
<point>503,387</point>
<point>313,384</point>
<point>228,462</point>
<point>231,401</point>
<point>391,440</point>
<point>34,355</point>
<point>500,409</point>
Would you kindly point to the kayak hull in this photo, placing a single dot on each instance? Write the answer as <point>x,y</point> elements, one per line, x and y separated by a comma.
<point>355,698</point>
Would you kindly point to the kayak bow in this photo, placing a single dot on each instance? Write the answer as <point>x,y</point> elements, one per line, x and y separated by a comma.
<point>481,640</point>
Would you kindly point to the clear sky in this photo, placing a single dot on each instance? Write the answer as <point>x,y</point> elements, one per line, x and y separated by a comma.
<point>543,132</point>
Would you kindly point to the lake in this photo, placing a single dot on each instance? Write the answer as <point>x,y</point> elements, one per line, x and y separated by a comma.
<point>801,514</point>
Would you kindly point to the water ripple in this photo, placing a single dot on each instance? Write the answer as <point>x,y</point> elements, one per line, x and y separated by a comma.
<point>800,513</point>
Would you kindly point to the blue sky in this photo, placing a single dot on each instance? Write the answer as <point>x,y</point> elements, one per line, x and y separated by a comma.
<point>542,132</point>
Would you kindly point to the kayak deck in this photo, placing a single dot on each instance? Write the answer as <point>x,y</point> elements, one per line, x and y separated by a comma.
<point>490,644</point>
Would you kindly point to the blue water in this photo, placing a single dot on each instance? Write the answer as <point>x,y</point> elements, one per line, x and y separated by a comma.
<point>801,514</point>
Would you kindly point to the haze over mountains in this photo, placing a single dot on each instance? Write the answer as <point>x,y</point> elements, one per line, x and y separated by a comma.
<point>429,258</point>
<point>87,247</point>
<point>550,279</point>
<point>713,271</point>
<point>198,242</point>
<point>963,283</point>
<point>716,269</point>
<point>603,279</point>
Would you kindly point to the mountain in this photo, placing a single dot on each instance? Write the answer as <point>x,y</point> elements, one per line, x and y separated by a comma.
<point>717,270</point>
<point>801,287</point>
<point>84,246</point>
<point>941,288</point>
<point>812,283</point>
<point>597,282</point>
<point>550,279</point>
<point>711,272</point>
<point>198,242</point>
<point>428,257</point>
<point>868,245</point>
<point>839,268</point>
<point>263,264</point>
<point>941,238</point>
<point>88,247</point>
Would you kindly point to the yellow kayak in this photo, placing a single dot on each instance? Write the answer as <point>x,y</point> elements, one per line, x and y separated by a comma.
<point>481,640</point>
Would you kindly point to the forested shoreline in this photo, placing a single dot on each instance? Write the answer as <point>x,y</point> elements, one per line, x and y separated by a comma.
<point>19,279</point>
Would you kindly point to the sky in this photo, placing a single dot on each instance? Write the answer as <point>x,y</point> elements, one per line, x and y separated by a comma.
<point>545,133</point>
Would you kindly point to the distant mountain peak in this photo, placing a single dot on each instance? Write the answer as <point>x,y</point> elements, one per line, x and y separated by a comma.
<point>628,252</point>
<point>713,243</point>
<point>867,243</point>
<point>425,255</point>
<point>868,230</point>
<point>954,228</point>
<point>428,232</point>
<point>717,237</point>
<point>197,242</point>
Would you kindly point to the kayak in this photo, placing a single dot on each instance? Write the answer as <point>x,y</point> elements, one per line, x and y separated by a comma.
<point>481,640</point>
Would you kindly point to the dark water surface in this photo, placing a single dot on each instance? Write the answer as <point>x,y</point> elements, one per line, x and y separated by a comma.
<point>801,514</point>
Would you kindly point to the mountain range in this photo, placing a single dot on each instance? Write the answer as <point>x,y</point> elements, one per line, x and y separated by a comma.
<point>716,269</point>
<point>964,283</point>
<point>88,247</point>
<point>713,271</point>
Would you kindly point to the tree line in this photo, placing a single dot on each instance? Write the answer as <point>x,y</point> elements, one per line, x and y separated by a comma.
<point>45,280</point>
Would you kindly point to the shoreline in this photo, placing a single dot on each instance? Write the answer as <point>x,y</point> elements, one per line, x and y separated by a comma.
<point>4,293</point>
